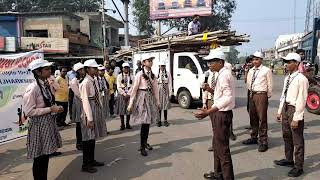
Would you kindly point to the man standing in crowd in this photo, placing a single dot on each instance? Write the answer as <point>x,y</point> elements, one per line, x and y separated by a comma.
<point>62,96</point>
<point>116,69</point>
<point>71,75</point>
<point>221,116</point>
<point>139,67</point>
<point>291,111</point>
<point>112,81</point>
<point>194,25</point>
<point>259,82</point>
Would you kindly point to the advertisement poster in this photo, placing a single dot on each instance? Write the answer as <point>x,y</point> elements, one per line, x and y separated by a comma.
<point>14,78</point>
<point>166,9</point>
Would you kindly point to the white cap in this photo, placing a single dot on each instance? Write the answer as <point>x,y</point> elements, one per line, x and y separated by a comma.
<point>162,63</point>
<point>148,58</point>
<point>101,68</point>
<point>91,63</point>
<point>39,63</point>
<point>292,56</point>
<point>125,65</point>
<point>258,54</point>
<point>78,66</point>
<point>215,54</point>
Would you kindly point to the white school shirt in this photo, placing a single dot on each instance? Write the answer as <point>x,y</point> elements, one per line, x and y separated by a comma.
<point>263,81</point>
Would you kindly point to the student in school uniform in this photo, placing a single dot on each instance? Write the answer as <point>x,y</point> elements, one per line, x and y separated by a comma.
<point>77,103</point>
<point>104,90</point>
<point>165,89</point>
<point>144,102</point>
<point>93,125</point>
<point>291,114</point>
<point>259,82</point>
<point>124,85</point>
<point>43,136</point>
<point>221,116</point>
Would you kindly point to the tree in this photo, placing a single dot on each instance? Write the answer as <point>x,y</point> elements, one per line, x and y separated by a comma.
<point>142,17</point>
<point>52,5</point>
<point>232,56</point>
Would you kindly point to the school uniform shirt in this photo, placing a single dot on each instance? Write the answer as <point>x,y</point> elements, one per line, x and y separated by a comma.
<point>296,95</point>
<point>165,80</point>
<point>87,90</point>
<point>141,83</point>
<point>33,103</point>
<point>121,86</point>
<point>74,85</point>
<point>263,80</point>
<point>62,92</point>
<point>112,80</point>
<point>224,92</point>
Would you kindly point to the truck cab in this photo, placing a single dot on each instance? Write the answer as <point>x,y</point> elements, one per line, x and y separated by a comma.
<point>188,74</point>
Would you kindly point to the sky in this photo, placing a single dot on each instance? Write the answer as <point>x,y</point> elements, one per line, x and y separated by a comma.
<point>263,20</point>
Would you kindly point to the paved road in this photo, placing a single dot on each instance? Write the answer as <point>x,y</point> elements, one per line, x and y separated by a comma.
<point>180,150</point>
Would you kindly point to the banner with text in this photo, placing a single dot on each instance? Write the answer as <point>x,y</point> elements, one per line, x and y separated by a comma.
<point>14,78</point>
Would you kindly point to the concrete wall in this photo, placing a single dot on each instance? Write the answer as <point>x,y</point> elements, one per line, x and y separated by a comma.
<point>54,25</point>
<point>73,23</point>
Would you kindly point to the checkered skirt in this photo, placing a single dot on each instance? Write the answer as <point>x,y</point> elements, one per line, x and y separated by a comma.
<point>164,96</point>
<point>99,129</point>
<point>144,108</point>
<point>43,136</point>
<point>122,105</point>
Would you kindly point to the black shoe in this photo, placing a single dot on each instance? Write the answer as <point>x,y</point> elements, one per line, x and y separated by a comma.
<point>79,147</point>
<point>250,141</point>
<point>159,124</point>
<point>295,172</point>
<point>233,137</point>
<point>143,152</point>
<point>65,124</point>
<point>210,149</point>
<point>212,175</point>
<point>166,123</point>
<point>122,128</point>
<point>263,148</point>
<point>55,154</point>
<point>89,169</point>
<point>97,164</point>
<point>150,148</point>
<point>284,162</point>
<point>128,126</point>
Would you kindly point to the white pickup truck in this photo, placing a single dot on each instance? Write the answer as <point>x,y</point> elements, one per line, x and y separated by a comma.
<point>187,71</point>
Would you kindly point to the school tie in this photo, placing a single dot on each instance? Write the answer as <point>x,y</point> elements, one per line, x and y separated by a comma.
<point>47,90</point>
<point>252,81</point>
<point>213,84</point>
<point>287,87</point>
<point>164,87</point>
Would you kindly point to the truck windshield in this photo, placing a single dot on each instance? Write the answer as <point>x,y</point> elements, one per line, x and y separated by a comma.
<point>202,63</point>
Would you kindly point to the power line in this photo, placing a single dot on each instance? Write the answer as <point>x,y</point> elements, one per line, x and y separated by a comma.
<point>266,20</point>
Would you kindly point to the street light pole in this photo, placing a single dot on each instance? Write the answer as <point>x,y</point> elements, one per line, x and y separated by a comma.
<point>126,23</point>
<point>103,31</point>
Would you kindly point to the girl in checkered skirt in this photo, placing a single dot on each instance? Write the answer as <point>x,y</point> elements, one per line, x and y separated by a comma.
<point>165,89</point>
<point>43,136</point>
<point>93,125</point>
<point>144,102</point>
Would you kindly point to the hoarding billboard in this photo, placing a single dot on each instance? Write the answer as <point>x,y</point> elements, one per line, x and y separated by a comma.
<point>166,9</point>
<point>48,45</point>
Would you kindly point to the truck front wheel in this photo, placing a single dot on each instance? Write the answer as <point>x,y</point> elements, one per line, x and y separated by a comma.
<point>184,99</point>
<point>313,100</point>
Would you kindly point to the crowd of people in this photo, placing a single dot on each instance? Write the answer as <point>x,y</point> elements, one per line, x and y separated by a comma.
<point>96,93</point>
<point>92,94</point>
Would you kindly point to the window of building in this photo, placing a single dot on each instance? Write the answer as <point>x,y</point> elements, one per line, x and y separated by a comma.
<point>36,33</point>
<point>186,62</point>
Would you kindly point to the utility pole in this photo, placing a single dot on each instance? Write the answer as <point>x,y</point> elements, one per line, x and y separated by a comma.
<point>126,23</point>
<point>103,31</point>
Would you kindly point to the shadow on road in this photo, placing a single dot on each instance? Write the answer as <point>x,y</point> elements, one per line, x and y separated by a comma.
<point>130,163</point>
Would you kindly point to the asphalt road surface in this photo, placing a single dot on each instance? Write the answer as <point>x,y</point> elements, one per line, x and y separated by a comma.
<point>180,151</point>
